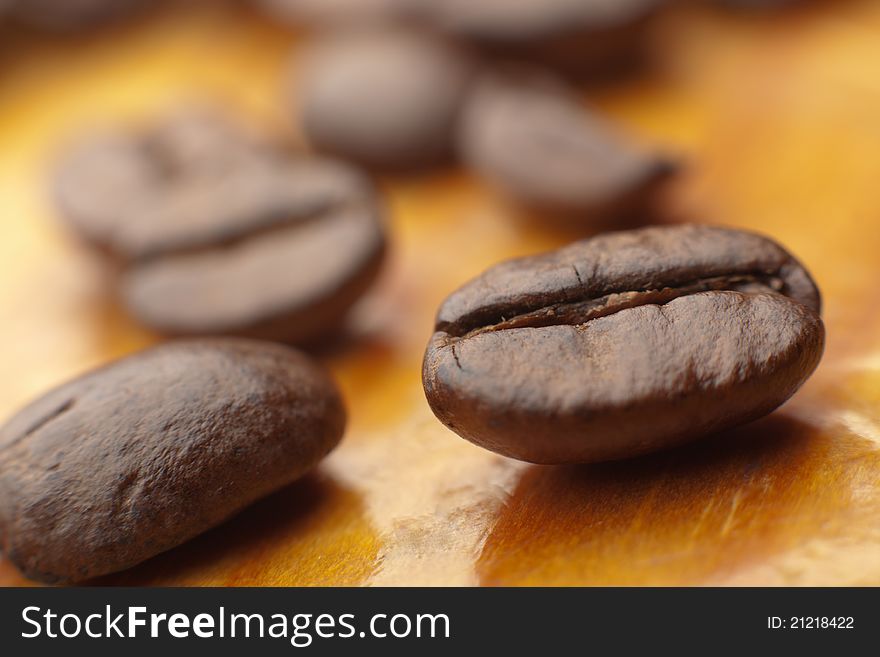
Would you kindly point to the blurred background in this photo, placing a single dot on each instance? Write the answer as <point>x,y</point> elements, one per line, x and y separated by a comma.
<point>769,112</point>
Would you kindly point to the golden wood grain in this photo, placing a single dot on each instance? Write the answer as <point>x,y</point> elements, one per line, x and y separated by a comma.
<point>778,119</point>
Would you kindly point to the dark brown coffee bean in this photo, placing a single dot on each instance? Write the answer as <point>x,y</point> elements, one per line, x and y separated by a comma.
<point>518,21</point>
<point>532,138</point>
<point>64,15</point>
<point>219,233</point>
<point>334,12</point>
<point>106,177</point>
<point>145,453</point>
<point>585,37</point>
<point>385,98</point>
<point>200,140</point>
<point>99,181</point>
<point>283,257</point>
<point>623,344</point>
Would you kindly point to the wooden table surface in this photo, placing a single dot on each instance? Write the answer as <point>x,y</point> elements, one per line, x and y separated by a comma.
<point>779,120</point>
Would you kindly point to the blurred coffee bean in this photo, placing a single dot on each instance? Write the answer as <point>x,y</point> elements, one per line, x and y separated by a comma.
<point>583,37</point>
<point>99,179</point>
<point>531,136</point>
<point>326,12</point>
<point>105,177</point>
<point>284,255</point>
<point>386,98</point>
<point>202,140</point>
<point>64,15</point>
<point>218,232</point>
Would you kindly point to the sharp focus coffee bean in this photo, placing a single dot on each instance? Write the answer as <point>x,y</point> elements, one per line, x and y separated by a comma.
<point>65,15</point>
<point>532,138</point>
<point>583,37</point>
<point>388,99</point>
<point>143,454</point>
<point>220,233</point>
<point>623,344</point>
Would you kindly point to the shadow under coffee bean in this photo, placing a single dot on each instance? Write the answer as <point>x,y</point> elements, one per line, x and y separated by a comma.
<point>623,344</point>
<point>143,454</point>
<point>218,232</point>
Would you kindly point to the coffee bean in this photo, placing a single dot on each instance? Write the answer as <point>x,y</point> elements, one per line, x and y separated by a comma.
<point>533,139</point>
<point>66,15</point>
<point>517,21</point>
<point>107,176</point>
<point>583,37</point>
<point>334,12</point>
<point>623,344</point>
<point>200,140</point>
<point>386,98</point>
<point>218,232</point>
<point>99,180</point>
<point>139,456</point>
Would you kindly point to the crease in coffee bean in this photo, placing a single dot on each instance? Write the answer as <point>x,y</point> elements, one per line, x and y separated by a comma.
<point>578,313</point>
<point>280,222</point>
<point>54,414</point>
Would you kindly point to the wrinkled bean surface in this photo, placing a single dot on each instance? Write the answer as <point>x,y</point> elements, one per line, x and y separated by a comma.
<point>141,455</point>
<point>623,344</point>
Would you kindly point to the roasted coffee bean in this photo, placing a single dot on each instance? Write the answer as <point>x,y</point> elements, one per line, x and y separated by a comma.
<point>385,98</point>
<point>99,180</point>
<point>107,176</point>
<point>284,256</point>
<point>623,344</point>
<point>65,15</point>
<point>219,233</point>
<point>532,138</point>
<point>523,21</point>
<point>143,454</point>
<point>200,140</point>
<point>335,12</point>
<point>583,37</point>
